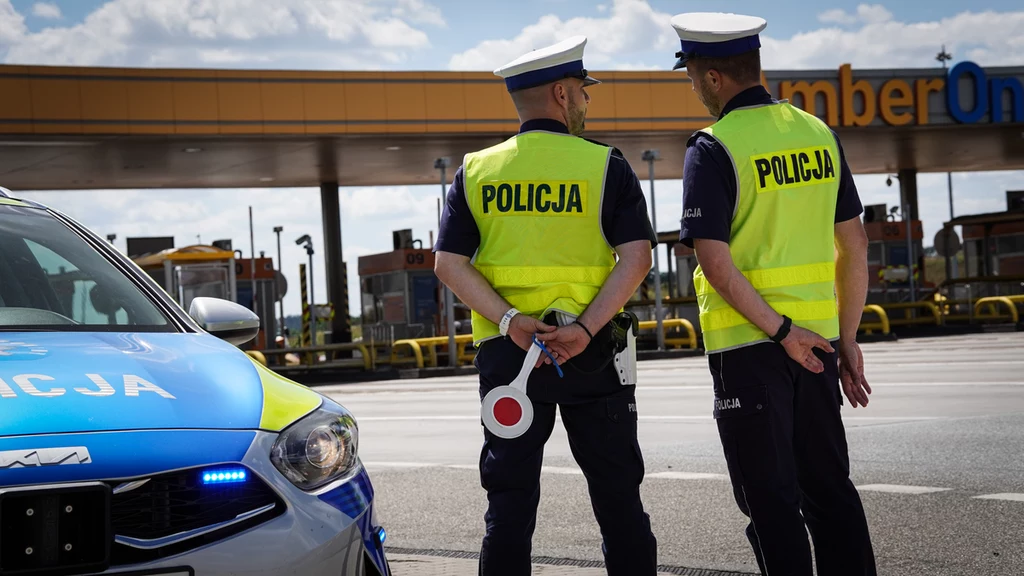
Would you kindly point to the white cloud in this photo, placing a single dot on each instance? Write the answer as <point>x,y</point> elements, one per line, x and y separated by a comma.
<point>635,66</point>
<point>632,26</point>
<point>837,16</point>
<point>12,24</point>
<point>866,13</point>
<point>292,33</point>
<point>873,13</point>
<point>46,10</point>
<point>419,12</point>
<point>989,38</point>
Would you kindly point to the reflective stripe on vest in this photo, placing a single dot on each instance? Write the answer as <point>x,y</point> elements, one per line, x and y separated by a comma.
<point>782,238</point>
<point>536,199</point>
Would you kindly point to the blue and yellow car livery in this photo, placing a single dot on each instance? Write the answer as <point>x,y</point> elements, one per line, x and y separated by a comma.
<point>170,452</point>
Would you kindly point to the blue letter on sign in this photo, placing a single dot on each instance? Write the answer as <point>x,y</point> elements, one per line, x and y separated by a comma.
<point>999,85</point>
<point>980,93</point>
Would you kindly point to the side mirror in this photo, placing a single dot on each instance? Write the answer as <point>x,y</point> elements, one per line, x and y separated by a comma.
<point>226,320</point>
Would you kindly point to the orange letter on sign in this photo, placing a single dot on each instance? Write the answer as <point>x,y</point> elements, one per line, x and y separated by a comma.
<point>887,101</point>
<point>923,88</point>
<point>848,88</point>
<point>809,93</point>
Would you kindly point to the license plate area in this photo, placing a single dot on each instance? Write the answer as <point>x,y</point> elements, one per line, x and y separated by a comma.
<point>54,531</point>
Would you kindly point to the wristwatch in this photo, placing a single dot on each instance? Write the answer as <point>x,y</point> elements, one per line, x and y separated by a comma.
<point>783,330</point>
<point>505,320</point>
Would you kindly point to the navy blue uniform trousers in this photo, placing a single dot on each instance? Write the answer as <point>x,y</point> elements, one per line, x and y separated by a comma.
<point>600,419</point>
<point>785,446</point>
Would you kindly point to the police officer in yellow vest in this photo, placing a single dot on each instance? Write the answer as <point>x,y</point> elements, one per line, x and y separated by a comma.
<point>771,210</point>
<point>547,233</point>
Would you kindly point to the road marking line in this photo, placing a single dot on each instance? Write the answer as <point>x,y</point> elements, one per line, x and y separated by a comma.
<point>563,470</point>
<point>1004,496</point>
<point>900,489</point>
<point>663,418</point>
<point>672,475</point>
<point>398,464</point>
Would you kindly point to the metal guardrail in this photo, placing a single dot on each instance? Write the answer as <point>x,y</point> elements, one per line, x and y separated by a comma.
<point>666,324</point>
<point>416,345</point>
<point>935,315</point>
<point>306,355</point>
<point>369,357</point>
<point>883,320</point>
<point>993,300</point>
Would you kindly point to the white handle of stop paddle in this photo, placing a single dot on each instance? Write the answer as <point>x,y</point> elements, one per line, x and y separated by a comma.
<point>528,365</point>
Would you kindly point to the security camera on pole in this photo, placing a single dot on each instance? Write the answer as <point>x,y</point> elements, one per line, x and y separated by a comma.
<point>650,156</point>
<point>305,239</point>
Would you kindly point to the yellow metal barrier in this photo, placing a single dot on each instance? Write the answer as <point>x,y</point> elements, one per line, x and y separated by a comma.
<point>883,320</point>
<point>936,315</point>
<point>308,352</point>
<point>993,300</point>
<point>416,345</point>
<point>666,324</point>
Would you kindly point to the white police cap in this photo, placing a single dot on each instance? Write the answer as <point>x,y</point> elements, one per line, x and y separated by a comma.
<point>555,62</point>
<point>716,35</point>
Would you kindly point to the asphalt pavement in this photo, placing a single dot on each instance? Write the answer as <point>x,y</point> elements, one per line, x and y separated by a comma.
<point>938,456</point>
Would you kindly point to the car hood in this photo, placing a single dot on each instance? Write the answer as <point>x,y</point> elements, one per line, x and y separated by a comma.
<point>93,382</point>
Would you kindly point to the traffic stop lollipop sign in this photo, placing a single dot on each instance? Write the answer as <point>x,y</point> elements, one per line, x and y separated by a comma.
<point>506,410</point>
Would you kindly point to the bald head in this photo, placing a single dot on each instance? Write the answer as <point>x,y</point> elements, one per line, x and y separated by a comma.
<point>563,100</point>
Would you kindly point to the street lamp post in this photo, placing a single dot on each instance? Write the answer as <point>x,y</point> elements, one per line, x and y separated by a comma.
<point>650,156</point>
<point>449,298</point>
<point>951,268</point>
<point>280,270</point>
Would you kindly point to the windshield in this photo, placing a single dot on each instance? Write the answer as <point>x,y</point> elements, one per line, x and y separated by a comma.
<point>51,279</point>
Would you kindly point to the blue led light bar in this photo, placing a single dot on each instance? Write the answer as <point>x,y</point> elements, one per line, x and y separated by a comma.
<point>381,535</point>
<point>224,476</point>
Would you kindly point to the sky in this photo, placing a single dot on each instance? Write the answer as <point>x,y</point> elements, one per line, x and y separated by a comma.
<point>459,35</point>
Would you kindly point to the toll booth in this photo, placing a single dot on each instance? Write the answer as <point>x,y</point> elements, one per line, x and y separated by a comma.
<point>400,295</point>
<point>200,270</point>
<point>889,272</point>
<point>192,271</point>
<point>993,245</point>
<point>267,295</point>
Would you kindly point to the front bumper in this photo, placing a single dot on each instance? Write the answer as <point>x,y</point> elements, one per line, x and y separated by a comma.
<point>330,532</point>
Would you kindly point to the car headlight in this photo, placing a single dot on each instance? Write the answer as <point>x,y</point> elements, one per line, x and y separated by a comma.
<point>319,448</point>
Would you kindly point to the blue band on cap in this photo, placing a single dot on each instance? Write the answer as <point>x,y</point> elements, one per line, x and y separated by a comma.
<point>543,76</point>
<point>720,49</point>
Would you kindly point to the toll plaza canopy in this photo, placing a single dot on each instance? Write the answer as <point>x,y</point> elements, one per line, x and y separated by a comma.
<point>94,128</point>
<point>89,128</point>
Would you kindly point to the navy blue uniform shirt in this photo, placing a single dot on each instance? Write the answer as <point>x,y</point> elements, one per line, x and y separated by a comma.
<point>623,211</point>
<point>709,182</point>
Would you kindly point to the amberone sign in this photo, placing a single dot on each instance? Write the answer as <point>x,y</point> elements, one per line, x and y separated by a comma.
<point>968,94</point>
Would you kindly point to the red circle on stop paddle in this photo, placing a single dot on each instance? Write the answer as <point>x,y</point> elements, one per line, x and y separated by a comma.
<point>507,411</point>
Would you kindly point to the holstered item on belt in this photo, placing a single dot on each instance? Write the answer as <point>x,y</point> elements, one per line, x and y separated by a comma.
<point>624,328</point>
<point>615,342</point>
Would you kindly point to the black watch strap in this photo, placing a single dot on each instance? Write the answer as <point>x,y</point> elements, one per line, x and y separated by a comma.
<point>787,323</point>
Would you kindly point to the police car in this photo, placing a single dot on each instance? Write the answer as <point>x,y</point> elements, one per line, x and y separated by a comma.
<point>136,439</point>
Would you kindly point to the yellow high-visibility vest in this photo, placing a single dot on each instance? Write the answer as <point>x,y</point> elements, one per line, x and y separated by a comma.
<point>536,199</point>
<point>783,230</point>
